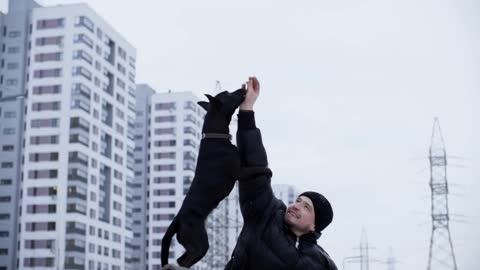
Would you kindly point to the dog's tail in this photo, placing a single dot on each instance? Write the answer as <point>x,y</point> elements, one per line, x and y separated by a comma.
<point>167,239</point>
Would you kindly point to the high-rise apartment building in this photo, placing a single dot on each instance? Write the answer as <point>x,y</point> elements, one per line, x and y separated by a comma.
<point>13,73</point>
<point>167,137</point>
<point>167,140</point>
<point>72,138</point>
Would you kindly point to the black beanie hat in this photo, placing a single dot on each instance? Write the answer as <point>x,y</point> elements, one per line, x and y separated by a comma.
<point>323,209</point>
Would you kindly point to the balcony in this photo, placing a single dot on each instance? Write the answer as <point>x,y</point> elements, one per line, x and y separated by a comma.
<point>74,194</point>
<point>72,229</point>
<point>77,158</point>
<point>79,123</point>
<point>74,176</point>
<point>79,138</point>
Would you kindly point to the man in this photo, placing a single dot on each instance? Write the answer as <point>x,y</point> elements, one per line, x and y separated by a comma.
<point>273,236</point>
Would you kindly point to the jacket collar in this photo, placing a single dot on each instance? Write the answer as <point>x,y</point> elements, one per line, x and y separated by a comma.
<point>308,238</point>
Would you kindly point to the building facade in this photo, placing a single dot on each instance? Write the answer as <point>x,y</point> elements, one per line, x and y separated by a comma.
<point>168,134</point>
<point>14,38</point>
<point>75,207</point>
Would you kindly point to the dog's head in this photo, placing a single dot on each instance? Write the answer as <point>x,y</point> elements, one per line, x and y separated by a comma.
<point>225,102</point>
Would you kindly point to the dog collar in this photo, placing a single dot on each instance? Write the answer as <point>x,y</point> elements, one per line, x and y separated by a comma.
<point>216,136</point>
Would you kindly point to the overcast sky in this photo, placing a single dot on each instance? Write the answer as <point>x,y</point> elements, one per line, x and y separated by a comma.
<point>349,91</point>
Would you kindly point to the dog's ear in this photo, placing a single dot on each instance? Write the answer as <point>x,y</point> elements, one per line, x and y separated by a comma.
<point>210,98</point>
<point>214,102</point>
<point>204,105</point>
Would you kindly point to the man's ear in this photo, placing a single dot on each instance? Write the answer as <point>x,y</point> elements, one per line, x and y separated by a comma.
<point>312,227</point>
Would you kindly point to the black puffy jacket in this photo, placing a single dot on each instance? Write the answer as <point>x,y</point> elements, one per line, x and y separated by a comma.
<point>265,241</point>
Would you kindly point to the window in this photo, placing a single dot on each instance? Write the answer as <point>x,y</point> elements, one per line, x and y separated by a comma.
<point>38,174</point>
<point>47,139</point>
<point>121,69</point>
<point>82,38</point>
<point>164,131</point>
<point>165,179</point>
<point>47,89</point>
<point>120,83</point>
<point>46,106</point>
<point>41,208</point>
<point>44,41</point>
<point>12,66</point>
<point>119,129</point>
<point>81,71</point>
<point>190,118</point>
<point>39,261</point>
<point>39,244</point>
<point>13,50</point>
<point>45,57</point>
<point>189,142</point>
<point>117,206</point>
<point>122,53</point>
<point>189,166</point>
<point>117,238</point>
<point>76,208</point>
<point>47,156</point>
<point>117,222</point>
<point>7,165</point>
<point>164,167</point>
<point>165,155</point>
<point>117,175</point>
<point>83,55</point>
<point>159,217</point>
<point>119,113</point>
<point>118,159</point>
<point>85,22</point>
<point>167,118</point>
<point>118,144</point>
<point>131,77</point>
<point>117,190</point>
<point>164,205</point>
<point>8,131</point>
<point>165,143</point>
<point>40,226</point>
<point>10,114</point>
<point>7,147</point>
<point>14,34</point>
<point>12,82</point>
<point>41,123</point>
<point>50,23</point>
<point>189,130</point>
<point>48,73</point>
<point>42,191</point>
<point>81,89</point>
<point>165,106</point>
<point>132,61</point>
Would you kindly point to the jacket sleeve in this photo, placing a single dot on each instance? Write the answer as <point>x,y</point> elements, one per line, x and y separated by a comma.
<point>255,189</point>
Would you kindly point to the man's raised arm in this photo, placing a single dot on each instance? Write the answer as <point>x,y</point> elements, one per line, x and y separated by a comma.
<point>255,180</point>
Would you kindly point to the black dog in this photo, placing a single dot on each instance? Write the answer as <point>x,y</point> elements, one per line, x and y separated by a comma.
<point>217,169</point>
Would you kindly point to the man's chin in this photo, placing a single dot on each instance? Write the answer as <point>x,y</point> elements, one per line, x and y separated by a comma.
<point>288,219</point>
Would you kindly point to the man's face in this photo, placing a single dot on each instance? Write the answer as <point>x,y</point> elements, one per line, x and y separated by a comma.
<point>300,216</point>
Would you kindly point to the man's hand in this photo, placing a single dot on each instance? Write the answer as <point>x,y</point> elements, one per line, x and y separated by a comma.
<point>253,90</point>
